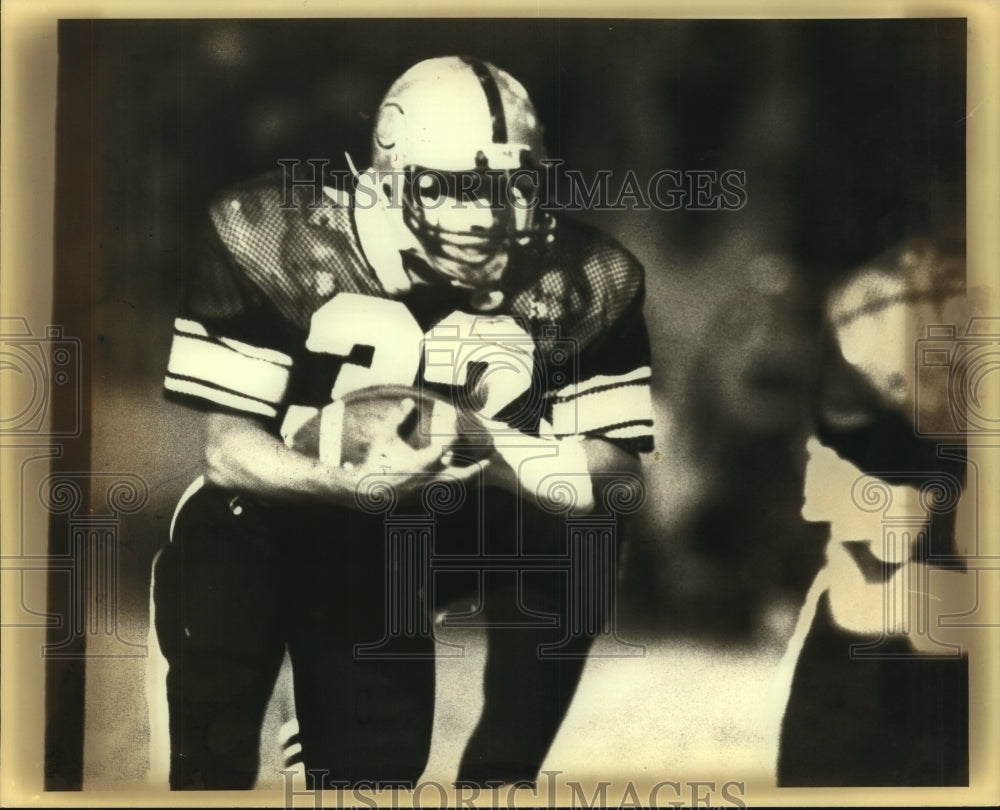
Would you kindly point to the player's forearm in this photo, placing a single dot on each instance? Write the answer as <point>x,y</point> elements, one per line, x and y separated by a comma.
<point>552,473</point>
<point>240,454</point>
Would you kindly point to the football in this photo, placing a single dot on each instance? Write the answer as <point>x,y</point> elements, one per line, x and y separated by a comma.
<point>389,429</point>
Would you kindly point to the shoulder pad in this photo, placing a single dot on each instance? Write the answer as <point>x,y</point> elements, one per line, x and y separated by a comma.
<point>613,275</point>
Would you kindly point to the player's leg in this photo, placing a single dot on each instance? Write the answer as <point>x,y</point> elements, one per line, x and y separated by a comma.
<point>526,691</point>
<point>362,718</point>
<point>525,699</point>
<point>217,624</point>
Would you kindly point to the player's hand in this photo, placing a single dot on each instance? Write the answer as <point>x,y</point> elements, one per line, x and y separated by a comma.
<point>409,473</point>
<point>492,471</point>
<point>382,437</point>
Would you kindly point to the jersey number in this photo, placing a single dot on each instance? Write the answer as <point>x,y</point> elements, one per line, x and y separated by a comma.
<point>501,350</point>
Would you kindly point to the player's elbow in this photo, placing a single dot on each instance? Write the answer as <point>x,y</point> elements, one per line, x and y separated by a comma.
<point>616,475</point>
<point>224,435</point>
<point>606,459</point>
<point>215,457</point>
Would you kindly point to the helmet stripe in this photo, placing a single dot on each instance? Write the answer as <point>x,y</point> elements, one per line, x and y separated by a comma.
<point>493,98</point>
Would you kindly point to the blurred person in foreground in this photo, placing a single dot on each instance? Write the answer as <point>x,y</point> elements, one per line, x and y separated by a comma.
<point>879,690</point>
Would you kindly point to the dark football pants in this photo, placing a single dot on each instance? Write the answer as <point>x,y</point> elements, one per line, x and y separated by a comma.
<point>874,721</point>
<point>536,641</point>
<point>232,590</point>
<point>525,696</point>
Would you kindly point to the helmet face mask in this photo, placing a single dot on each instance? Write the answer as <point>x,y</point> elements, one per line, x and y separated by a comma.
<point>469,224</point>
<point>458,147</point>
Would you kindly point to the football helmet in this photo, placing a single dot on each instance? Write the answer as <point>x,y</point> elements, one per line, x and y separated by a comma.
<point>456,157</point>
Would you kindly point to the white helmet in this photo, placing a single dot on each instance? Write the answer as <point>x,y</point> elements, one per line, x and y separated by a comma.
<point>456,151</point>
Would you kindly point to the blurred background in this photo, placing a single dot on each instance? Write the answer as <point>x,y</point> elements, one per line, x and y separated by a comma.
<point>851,135</point>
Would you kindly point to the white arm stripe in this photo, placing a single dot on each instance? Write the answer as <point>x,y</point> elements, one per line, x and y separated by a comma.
<point>606,408</point>
<point>258,353</point>
<point>219,396</point>
<point>220,365</point>
<point>641,374</point>
<point>629,432</point>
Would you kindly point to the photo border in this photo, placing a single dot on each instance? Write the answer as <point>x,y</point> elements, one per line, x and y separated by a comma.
<point>28,139</point>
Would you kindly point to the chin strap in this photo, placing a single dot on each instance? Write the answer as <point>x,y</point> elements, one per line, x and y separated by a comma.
<point>351,166</point>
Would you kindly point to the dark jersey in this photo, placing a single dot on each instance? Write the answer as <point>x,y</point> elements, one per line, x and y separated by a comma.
<point>289,306</point>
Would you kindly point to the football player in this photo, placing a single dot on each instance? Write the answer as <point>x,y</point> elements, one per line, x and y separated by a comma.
<point>440,269</point>
<point>878,687</point>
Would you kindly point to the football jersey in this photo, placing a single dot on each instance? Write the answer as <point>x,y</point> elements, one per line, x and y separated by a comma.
<point>291,303</point>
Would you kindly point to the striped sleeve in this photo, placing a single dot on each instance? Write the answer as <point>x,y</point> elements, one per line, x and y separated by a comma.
<point>229,349</point>
<point>226,372</point>
<point>615,406</point>
<point>612,397</point>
